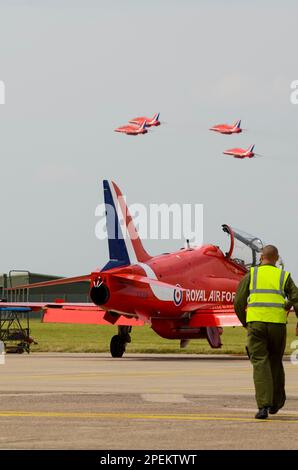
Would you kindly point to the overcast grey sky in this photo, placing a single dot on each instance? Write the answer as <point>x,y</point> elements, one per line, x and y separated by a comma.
<point>75,70</point>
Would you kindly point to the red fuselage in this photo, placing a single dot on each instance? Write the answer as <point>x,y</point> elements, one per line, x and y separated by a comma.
<point>132,129</point>
<point>226,129</point>
<point>203,276</point>
<point>239,153</point>
<point>149,121</point>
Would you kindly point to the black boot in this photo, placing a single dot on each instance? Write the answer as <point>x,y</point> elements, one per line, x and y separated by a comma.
<point>273,410</point>
<point>262,413</point>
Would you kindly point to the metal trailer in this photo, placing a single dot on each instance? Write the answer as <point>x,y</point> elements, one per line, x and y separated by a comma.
<point>15,329</point>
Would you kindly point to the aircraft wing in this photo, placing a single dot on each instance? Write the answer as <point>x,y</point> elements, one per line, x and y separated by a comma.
<point>137,120</point>
<point>214,315</point>
<point>33,306</point>
<point>65,312</point>
<point>125,278</point>
<point>54,282</point>
<point>88,315</point>
<point>201,315</point>
<point>121,129</point>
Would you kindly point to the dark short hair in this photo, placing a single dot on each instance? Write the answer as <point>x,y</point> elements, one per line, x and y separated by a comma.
<point>270,251</point>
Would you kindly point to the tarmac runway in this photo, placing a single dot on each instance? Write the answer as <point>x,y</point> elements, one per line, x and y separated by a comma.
<point>92,401</point>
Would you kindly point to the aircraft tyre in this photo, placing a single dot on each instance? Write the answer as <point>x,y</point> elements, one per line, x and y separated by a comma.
<point>117,346</point>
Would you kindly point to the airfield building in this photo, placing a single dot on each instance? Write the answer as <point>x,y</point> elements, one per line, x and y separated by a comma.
<point>77,292</point>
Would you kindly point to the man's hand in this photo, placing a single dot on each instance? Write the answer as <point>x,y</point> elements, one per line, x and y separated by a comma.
<point>288,307</point>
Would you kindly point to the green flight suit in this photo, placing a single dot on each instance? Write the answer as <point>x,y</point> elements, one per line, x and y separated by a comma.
<point>265,345</point>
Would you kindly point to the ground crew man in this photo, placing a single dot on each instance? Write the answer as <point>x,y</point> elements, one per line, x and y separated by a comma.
<point>261,306</point>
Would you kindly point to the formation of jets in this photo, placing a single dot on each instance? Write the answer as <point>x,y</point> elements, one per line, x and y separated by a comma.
<point>139,125</point>
<point>234,129</point>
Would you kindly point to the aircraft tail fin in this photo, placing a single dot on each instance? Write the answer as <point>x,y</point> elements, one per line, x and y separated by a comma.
<point>125,246</point>
<point>237,124</point>
<point>143,125</point>
<point>156,117</point>
<point>251,148</point>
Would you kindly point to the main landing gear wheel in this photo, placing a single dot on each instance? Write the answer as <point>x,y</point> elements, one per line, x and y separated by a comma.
<point>117,346</point>
<point>213,336</point>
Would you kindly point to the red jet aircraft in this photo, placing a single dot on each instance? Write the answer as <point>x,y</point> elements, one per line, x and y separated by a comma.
<point>227,129</point>
<point>131,129</point>
<point>183,295</point>
<point>150,121</point>
<point>241,153</point>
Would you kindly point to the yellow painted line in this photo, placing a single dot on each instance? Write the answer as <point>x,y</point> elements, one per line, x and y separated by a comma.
<point>111,374</point>
<point>99,375</point>
<point>83,415</point>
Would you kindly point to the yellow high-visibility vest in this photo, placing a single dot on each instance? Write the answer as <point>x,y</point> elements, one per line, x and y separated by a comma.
<point>267,301</point>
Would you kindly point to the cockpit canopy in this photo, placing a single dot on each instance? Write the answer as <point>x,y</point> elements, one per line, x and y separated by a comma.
<point>245,249</point>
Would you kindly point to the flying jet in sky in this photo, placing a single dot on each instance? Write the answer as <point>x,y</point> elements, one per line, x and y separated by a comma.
<point>241,153</point>
<point>183,295</point>
<point>154,121</point>
<point>227,129</point>
<point>133,129</point>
